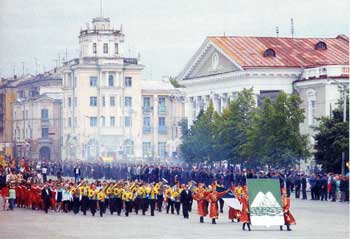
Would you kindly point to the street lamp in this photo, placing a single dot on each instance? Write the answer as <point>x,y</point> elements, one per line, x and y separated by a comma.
<point>344,86</point>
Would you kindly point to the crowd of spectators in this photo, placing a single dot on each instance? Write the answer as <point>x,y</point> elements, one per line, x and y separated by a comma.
<point>321,186</point>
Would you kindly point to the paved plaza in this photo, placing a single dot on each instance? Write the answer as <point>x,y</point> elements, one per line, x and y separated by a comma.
<point>315,219</point>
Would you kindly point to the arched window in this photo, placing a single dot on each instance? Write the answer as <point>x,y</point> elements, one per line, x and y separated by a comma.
<point>269,53</point>
<point>321,45</point>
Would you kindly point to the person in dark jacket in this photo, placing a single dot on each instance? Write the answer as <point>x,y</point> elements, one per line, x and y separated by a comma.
<point>303,186</point>
<point>324,187</point>
<point>45,196</point>
<point>312,181</point>
<point>333,190</point>
<point>185,199</point>
<point>297,186</point>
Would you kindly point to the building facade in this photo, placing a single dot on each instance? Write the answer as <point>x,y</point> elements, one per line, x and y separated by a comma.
<point>7,97</point>
<point>320,88</point>
<point>104,104</point>
<point>36,117</point>
<point>224,66</point>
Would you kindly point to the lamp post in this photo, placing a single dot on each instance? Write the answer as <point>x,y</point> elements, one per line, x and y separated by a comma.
<point>344,96</point>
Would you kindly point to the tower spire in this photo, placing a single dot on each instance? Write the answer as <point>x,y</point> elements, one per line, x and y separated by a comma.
<point>100,8</point>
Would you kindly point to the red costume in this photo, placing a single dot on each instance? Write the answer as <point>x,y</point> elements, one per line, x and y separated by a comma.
<point>288,217</point>
<point>202,205</point>
<point>19,195</point>
<point>213,198</point>
<point>245,218</point>
<point>234,213</point>
<point>53,199</point>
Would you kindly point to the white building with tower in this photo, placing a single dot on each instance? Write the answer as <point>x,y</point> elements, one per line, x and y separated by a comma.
<point>108,110</point>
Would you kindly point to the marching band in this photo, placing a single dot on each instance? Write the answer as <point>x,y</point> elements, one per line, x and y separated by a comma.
<point>129,196</point>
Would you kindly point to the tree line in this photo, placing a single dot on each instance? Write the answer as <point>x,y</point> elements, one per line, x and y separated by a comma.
<point>268,135</point>
<point>246,134</point>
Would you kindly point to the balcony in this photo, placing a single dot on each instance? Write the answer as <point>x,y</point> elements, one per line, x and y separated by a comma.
<point>162,129</point>
<point>45,140</point>
<point>161,109</point>
<point>45,121</point>
<point>147,129</point>
<point>341,71</point>
<point>147,109</point>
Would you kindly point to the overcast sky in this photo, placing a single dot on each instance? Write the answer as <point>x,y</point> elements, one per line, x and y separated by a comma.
<point>165,32</point>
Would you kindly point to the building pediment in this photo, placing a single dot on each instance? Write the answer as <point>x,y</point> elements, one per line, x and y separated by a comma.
<point>208,60</point>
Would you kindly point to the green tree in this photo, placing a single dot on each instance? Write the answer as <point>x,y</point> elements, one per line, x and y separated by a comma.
<point>199,142</point>
<point>232,127</point>
<point>274,138</point>
<point>175,83</point>
<point>332,139</point>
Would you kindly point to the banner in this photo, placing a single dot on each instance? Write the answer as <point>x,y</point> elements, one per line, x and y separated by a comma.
<point>230,199</point>
<point>265,204</point>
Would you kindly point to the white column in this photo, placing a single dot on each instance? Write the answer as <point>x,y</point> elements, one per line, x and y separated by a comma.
<point>155,126</point>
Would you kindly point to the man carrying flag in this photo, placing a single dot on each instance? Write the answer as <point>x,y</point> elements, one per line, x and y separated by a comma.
<point>213,198</point>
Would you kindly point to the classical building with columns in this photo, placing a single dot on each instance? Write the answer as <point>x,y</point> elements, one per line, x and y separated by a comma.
<point>225,65</point>
<point>108,110</point>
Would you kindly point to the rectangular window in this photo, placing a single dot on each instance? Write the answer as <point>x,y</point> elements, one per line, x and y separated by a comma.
<point>128,81</point>
<point>161,100</point>
<point>146,104</point>
<point>147,125</point>
<point>69,102</point>
<point>69,122</point>
<point>161,104</point>
<point>103,101</point>
<point>103,121</point>
<point>127,121</point>
<point>110,80</point>
<point>44,114</point>
<point>161,125</point>
<point>147,149</point>
<point>112,121</point>
<point>93,100</point>
<point>93,81</point>
<point>75,101</point>
<point>44,133</point>
<point>161,121</point>
<point>105,48</point>
<point>112,101</point>
<point>128,101</point>
<point>146,121</point>
<point>94,48</point>
<point>93,122</point>
<point>162,149</point>
<point>147,101</point>
<point>116,50</point>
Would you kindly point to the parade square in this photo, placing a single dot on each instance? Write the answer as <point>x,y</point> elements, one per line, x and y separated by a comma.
<point>166,119</point>
<point>315,220</point>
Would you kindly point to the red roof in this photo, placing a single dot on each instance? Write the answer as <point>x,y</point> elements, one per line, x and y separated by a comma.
<point>290,52</point>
